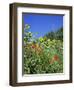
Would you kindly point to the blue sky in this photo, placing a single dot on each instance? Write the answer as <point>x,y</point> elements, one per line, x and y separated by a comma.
<point>43,23</point>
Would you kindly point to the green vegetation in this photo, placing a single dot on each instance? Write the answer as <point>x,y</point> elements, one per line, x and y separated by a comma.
<point>58,35</point>
<point>43,55</point>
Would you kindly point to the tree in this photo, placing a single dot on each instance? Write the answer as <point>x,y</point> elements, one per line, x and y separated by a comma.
<point>55,35</point>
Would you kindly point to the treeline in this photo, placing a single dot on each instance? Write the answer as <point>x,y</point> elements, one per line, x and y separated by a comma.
<point>58,35</point>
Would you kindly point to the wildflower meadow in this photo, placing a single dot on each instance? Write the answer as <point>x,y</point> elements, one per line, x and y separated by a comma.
<point>44,54</point>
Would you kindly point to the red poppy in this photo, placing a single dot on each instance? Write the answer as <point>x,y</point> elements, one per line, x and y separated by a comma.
<point>56,57</point>
<point>33,46</point>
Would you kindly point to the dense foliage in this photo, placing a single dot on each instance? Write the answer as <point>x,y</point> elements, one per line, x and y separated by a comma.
<point>58,35</point>
<point>43,55</point>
